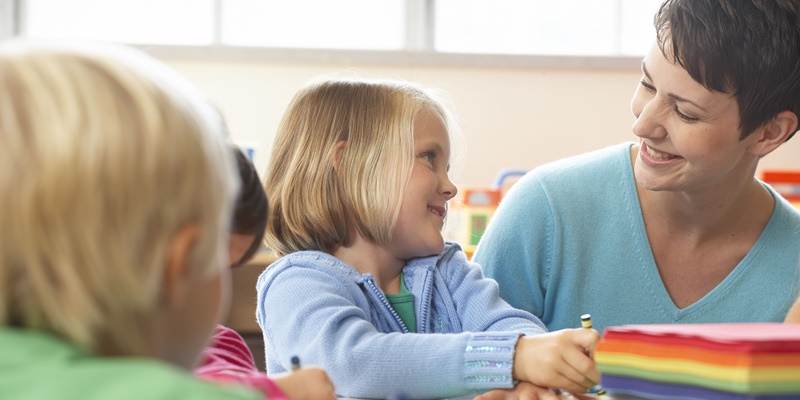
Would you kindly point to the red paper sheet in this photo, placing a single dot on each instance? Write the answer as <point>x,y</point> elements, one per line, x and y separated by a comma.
<point>726,337</point>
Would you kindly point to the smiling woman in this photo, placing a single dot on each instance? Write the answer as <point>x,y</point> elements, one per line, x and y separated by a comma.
<point>690,135</point>
<point>676,226</point>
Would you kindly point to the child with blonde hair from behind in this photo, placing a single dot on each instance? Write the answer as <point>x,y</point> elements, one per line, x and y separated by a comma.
<point>118,186</point>
<point>367,287</point>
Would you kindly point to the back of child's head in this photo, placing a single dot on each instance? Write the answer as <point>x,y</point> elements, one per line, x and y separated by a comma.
<point>321,191</point>
<point>250,210</point>
<point>106,154</point>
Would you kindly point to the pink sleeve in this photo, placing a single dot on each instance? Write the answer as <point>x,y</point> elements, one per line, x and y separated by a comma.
<point>228,360</point>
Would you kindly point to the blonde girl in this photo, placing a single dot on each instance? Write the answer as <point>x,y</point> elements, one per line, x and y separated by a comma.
<point>367,287</point>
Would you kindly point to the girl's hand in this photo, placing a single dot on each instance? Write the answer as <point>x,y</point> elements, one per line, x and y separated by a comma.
<point>307,384</point>
<point>558,360</point>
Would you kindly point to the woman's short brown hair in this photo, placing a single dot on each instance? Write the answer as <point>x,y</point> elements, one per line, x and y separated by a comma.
<point>746,48</point>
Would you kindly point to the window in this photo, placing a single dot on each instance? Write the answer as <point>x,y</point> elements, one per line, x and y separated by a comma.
<point>315,24</point>
<point>566,27</point>
<point>514,27</point>
<point>168,22</point>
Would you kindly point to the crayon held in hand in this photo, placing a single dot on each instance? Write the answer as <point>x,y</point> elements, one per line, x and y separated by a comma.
<point>586,321</point>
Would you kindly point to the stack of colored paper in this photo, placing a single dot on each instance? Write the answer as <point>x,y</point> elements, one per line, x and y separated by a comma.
<point>701,361</point>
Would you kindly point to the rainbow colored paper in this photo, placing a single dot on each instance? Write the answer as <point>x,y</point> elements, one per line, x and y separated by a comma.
<point>701,361</point>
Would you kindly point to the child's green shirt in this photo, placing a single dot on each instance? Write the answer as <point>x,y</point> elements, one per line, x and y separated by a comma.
<point>403,305</point>
<point>36,366</point>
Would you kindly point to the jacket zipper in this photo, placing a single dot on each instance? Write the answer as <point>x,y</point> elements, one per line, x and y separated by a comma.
<point>379,294</point>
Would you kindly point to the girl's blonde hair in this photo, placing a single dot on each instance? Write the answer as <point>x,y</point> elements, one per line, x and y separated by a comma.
<point>105,154</point>
<point>319,194</point>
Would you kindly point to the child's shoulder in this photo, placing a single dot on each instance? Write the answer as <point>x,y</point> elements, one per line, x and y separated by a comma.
<point>72,373</point>
<point>163,380</point>
<point>309,262</point>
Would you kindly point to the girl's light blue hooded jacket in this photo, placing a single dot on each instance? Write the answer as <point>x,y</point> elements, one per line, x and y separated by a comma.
<point>314,306</point>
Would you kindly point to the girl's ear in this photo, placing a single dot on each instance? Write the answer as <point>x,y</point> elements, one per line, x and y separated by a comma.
<point>774,133</point>
<point>337,154</point>
<point>177,264</point>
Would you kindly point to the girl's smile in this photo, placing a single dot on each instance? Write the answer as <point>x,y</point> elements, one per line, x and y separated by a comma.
<point>438,211</point>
